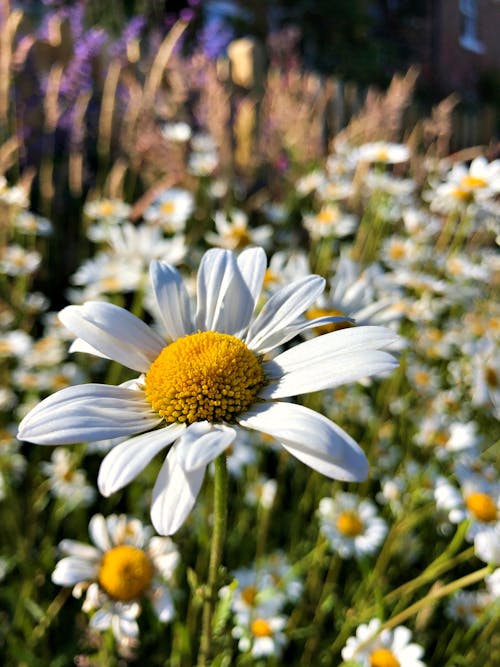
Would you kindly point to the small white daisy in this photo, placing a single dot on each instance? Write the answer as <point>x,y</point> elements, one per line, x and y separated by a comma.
<point>66,481</point>
<point>171,209</point>
<point>351,525</point>
<point>125,565</point>
<point>389,648</point>
<point>383,152</point>
<point>209,370</point>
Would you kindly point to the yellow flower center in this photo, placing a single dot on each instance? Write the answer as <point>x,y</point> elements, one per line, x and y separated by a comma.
<point>312,313</point>
<point>349,524</point>
<point>167,207</point>
<point>461,195</point>
<point>204,376</point>
<point>107,208</point>
<point>239,237</point>
<point>382,657</point>
<point>248,594</point>
<point>397,251</point>
<point>328,215</point>
<point>481,506</point>
<point>382,155</point>
<point>125,572</point>
<point>270,277</point>
<point>472,182</point>
<point>261,628</point>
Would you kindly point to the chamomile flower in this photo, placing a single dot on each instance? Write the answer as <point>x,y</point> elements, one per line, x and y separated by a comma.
<point>383,152</point>
<point>477,499</point>
<point>65,480</point>
<point>16,261</point>
<point>234,233</point>
<point>124,565</point>
<point>330,221</point>
<point>206,373</point>
<point>360,294</point>
<point>468,606</point>
<point>261,636</point>
<point>171,209</point>
<point>111,210</point>
<point>351,525</point>
<point>389,648</point>
<point>466,184</point>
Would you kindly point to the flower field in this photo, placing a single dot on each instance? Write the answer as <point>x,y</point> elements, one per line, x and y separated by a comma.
<point>250,361</point>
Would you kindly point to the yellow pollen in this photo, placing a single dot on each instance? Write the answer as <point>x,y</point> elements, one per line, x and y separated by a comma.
<point>348,523</point>
<point>327,215</point>
<point>462,195</point>
<point>238,237</point>
<point>312,313</point>
<point>422,378</point>
<point>111,284</point>
<point>482,507</point>
<point>382,155</point>
<point>204,376</point>
<point>167,208</point>
<point>382,657</point>
<point>472,182</point>
<point>249,593</point>
<point>106,208</point>
<point>261,628</point>
<point>125,572</point>
<point>441,438</point>
<point>397,251</point>
<point>270,277</point>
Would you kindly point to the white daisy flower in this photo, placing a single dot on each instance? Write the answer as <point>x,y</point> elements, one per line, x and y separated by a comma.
<point>171,209</point>
<point>389,648</point>
<point>262,636</point>
<point>112,210</point>
<point>477,500</point>
<point>383,152</point>
<point>65,480</point>
<point>16,261</point>
<point>209,371</point>
<point>234,233</point>
<point>351,525</point>
<point>360,294</point>
<point>330,221</point>
<point>125,565</point>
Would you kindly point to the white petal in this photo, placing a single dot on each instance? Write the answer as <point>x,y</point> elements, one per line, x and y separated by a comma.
<point>126,460</point>
<point>80,550</point>
<point>312,438</point>
<point>72,570</point>
<point>172,300</point>
<point>86,413</point>
<point>101,620</point>
<point>174,495</point>
<point>202,443</point>
<point>217,270</point>
<point>331,360</point>
<point>282,309</point>
<point>114,332</point>
<point>252,264</point>
<point>79,345</point>
<point>163,604</point>
<point>99,534</point>
<point>283,335</point>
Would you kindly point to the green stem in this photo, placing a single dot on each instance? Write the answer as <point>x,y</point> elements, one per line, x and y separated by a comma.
<point>218,535</point>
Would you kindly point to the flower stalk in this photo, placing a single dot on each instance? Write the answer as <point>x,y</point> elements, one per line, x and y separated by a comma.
<point>218,536</point>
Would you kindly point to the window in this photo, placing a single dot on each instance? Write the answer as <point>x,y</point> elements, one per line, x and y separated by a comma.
<point>469,26</point>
